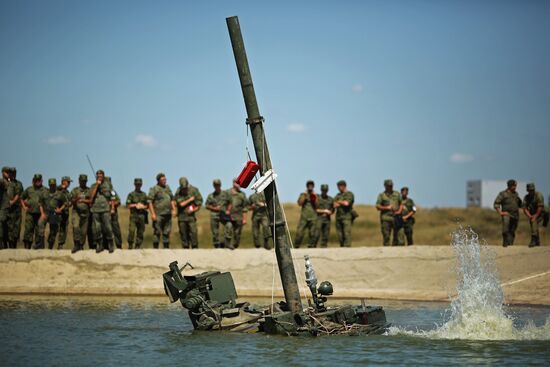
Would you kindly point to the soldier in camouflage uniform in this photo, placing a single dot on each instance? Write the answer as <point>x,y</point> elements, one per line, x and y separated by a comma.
<point>507,204</point>
<point>80,219</point>
<point>14,213</point>
<point>233,215</point>
<point>325,209</point>
<point>343,203</point>
<point>162,208</point>
<point>100,197</point>
<point>533,207</point>
<point>188,202</point>
<point>389,205</point>
<point>407,215</point>
<point>4,206</point>
<point>115,224</point>
<point>308,216</point>
<point>53,204</point>
<point>214,203</point>
<point>64,217</point>
<point>260,220</point>
<point>31,200</point>
<point>138,204</point>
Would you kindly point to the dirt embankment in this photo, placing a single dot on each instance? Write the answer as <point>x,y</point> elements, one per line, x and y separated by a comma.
<point>402,273</point>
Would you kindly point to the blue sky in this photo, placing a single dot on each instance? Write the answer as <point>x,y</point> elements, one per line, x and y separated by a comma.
<point>429,93</point>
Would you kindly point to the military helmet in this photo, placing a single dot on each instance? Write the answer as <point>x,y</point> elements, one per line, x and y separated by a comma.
<point>36,177</point>
<point>217,181</point>
<point>184,182</point>
<point>511,183</point>
<point>138,181</point>
<point>341,183</point>
<point>388,182</point>
<point>160,175</point>
<point>324,187</point>
<point>52,181</point>
<point>325,288</point>
<point>82,177</point>
<point>530,186</point>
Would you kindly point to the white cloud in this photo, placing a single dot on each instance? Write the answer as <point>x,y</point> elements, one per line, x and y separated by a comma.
<point>145,140</point>
<point>57,140</point>
<point>296,128</point>
<point>357,88</point>
<point>461,158</point>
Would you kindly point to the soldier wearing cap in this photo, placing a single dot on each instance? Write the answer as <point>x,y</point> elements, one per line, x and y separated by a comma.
<point>308,216</point>
<point>214,203</point>
<point>188,202</point>
<point>64,218</point>
<point>14,213</point>
<point>260,220</point>
<point>4,206</point>
<point>507,204</point>
<point>162,208</point>
<point>407,215</point>
<point>233,215</point>
<point>533,207</point>
<point>343,203</point>
<point>53,203</point>
<point>100,197</point>
<point>390,206</point>
<point>325,209</point>
<point>31,200</point>
<point>81,219</point>
<point>138,203</point>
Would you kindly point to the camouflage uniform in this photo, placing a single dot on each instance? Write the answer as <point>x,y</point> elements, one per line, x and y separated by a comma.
<point>51,200</point>
<point>387,217</point>
<point>4,205</point>
<point>408,225</point>
<point>80,219</point>
<point>344,217</point>
<point>187,221</point>
<point>308,219</point>
<point>32,196</point>
<point>101,214</point>
<point>64,217</point>
<point>509,202</point>
<point>233,225</point>
<point>260,220</point>
<point>161,199</point>
<point>15,211</point>
<point>531,203</point>
<point>138,217</point>
<point>117,233</point>
<point>215,199</point>
<point>325,202</point>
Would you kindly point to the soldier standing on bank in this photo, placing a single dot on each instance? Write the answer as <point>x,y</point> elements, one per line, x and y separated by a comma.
<point>407,215</point>
<point>233,215</point>
<point>260,220</point>
<point>507,204</point>
<point>4,206</point>
<point>389,205</point>
<point>343,203</point>
<point>31,200</point>
<point>188,202</point>
<point>115,224</point>
<point>533,206</point>
<point>325,209</point>
<point>214,203</point>
<point>100,197</point>
<point>53,204</point>
<point>64,217</point>
<point>308,216</point>
<point>15,212</point>
<point>162,208</point>
<point>138,203</point>
<point>80,219</point>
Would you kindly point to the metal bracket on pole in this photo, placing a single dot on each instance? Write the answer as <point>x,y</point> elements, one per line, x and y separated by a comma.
<point>257,120</point>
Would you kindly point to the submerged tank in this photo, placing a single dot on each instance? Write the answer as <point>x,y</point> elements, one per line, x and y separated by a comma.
<point>211,297</point>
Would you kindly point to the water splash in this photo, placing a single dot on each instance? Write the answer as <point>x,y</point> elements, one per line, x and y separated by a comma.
<point>477,311</point>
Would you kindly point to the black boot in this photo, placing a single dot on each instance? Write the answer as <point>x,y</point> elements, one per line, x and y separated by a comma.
<point>111,247</point>
<point>99,248</point>
<point>130,246</point>
<point>155,245</point>
<point>50,245</point>
<point>533,242</point>
<point>39,245</point>
<point>77,247</point>
<point>27,245</point>
<point>60,246</point>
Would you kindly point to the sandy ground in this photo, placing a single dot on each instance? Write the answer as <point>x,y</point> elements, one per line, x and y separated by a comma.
<point>400,273</point>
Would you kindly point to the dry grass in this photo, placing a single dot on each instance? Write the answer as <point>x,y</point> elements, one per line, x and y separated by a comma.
<point>433,227</point>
